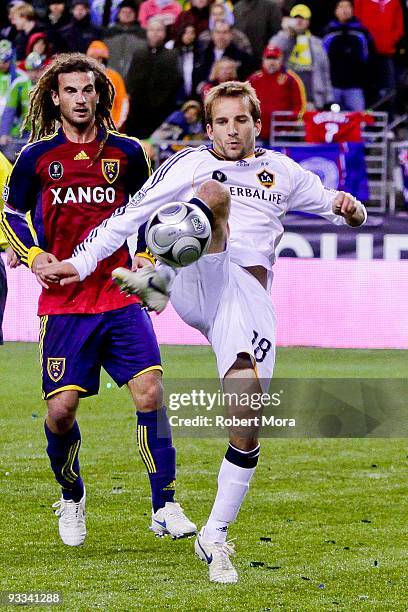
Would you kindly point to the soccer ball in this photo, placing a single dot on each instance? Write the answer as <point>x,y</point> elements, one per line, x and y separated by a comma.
<point>178,234</point>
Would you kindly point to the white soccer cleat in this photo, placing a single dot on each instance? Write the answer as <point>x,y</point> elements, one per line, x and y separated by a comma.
<point>217,555</point>
<point>171,520</point>
<point>71,522</point>
<point>147,283</point>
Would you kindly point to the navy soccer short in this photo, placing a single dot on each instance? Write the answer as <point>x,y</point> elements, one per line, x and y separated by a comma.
<point>73,348</point>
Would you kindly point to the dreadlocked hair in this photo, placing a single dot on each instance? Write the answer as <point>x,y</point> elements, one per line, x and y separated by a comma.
<point>43,116</point>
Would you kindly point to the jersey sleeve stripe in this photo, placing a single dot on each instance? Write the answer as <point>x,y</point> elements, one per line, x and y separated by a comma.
<point>16,245</point>
<point>164,168</point>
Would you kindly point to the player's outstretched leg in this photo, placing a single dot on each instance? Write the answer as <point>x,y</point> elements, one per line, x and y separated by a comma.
<point>64,441</point>
<point>153,285</point>
<point>156,449</point>
<point>236,471</point>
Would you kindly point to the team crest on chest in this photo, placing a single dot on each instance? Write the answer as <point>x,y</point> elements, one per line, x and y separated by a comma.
<point>219,176</point>
<point>110,169</point>
<point>266,178</point>
<point>55,170</point>
<point>56,368</point>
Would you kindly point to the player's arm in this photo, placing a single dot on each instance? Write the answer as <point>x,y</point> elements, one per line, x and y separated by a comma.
<point>19,195</point>
<point>309,195</point>
<point>165,185</point>
<point>5,169</point>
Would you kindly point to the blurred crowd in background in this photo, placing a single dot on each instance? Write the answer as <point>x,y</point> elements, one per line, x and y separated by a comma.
<point>163,56</point>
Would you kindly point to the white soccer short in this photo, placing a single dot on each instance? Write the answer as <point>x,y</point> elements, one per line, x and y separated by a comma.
<point>231,308</point>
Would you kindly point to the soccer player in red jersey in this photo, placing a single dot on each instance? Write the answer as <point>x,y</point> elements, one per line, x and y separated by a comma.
<point>71,179</point>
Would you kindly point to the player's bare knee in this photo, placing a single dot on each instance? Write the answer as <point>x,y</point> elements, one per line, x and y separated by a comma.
<point>217,197</point>
<point>147,391</point>
<point>61,411</point>
<point>244,443</point>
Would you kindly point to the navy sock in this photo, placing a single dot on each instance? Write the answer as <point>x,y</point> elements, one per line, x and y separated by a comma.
<point>244,459</point>
<point>158,454</point>
<point>63,453</point>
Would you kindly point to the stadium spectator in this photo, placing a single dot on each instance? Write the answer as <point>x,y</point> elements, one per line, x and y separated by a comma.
<point>167,10</point>
<point>384,20</point>
<point>8,71</point>
<point>120,108</point>
<point>304,54</point>
<point>221,45</point>
<point>277,89</point>
<point>222,70</point>
<point>349,48</point>
<point>259,20</point>
<point>124,37</point>
<point>57,18</point>
<point>78,34</point>
<point>322,13</point>
<point>219,11</point>
<point>39,43</point>
<point>184,124</point>
<point>12,259</point>
<point>17,103</point>
<point>58,14</point>
<point>198,16</point>
<point>188,60</point>
<point>153,82</point>
<point>23,18</point>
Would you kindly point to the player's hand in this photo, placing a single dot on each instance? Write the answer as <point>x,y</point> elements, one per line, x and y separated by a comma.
<point>12,259</point>
<point>347,206</point>
<point>41,261</point>
<point>60,272</point>
<point>140,262</point>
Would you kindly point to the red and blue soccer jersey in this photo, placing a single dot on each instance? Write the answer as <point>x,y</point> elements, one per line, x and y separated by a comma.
<point>68,195</point>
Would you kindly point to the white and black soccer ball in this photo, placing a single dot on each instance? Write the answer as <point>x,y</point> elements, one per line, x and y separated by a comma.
<point>178,234</point>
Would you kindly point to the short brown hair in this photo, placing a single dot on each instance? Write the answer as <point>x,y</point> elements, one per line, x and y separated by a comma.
<point>232,89</point>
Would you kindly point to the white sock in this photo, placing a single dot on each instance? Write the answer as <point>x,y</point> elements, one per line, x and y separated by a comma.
<point>233,484</point>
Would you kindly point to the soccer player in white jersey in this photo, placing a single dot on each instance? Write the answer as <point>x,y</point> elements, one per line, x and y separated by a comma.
<point>225,294</point>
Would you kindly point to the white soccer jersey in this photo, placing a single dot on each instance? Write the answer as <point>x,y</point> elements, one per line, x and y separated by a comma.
<point>263,187</point>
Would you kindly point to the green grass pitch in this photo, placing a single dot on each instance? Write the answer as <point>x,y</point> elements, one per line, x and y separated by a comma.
<point>335,510</point>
